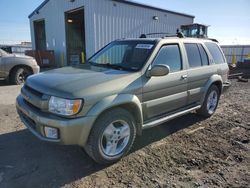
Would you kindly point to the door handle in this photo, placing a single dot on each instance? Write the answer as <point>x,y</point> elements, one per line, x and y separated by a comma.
<point>184,77</point>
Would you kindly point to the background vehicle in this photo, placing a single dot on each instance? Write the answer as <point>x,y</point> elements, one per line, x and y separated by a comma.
<point>128,86</point>
<point>16,68</point>
<point>195,30</point>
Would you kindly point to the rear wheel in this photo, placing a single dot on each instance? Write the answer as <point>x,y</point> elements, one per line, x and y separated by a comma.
<point>112,136</point>
<point>210,103</point>
<point>19,75</point>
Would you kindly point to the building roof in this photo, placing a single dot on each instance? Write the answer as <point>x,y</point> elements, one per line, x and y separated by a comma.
<point>38,8</point>
<point>122,1</point>
<point>152,7</point>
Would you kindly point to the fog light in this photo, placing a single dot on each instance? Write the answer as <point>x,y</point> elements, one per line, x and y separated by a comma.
<point>51,132</point>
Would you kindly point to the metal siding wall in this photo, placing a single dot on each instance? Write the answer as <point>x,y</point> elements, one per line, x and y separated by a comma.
<point>126,21</point>
<point>32,35</point>
<point>240,51</point>
<point>54,14</point>
<point>104,22</point>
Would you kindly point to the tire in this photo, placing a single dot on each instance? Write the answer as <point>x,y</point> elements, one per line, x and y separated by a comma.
<point>105,143</point>
<point>209,107</point>
<point>19,75</point>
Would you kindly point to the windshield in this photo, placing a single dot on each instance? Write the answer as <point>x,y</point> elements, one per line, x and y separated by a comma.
<point>3,53</point>
<point>127,55</point>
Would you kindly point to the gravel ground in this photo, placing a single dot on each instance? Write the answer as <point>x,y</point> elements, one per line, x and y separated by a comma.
<point>187,152</point>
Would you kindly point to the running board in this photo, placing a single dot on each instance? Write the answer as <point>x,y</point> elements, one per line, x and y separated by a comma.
<point>170,117</point>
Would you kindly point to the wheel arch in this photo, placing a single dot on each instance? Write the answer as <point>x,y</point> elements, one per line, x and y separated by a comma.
<point>219,85</point>
<point>213,80</point>
<point>129,102</point>
<point>19,66</point>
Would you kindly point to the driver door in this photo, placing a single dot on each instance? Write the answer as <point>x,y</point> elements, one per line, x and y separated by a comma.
<point>168,93</point>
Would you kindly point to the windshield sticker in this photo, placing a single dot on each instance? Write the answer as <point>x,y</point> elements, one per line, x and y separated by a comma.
<point>144,46</point>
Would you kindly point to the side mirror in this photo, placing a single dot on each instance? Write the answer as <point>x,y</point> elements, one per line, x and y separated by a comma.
<point>159,70</point>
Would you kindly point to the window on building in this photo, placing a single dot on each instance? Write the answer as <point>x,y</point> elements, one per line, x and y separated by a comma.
<point>215,52</point>
<point>170,55</point>
<point>194,58</point>
<point>204,57</point>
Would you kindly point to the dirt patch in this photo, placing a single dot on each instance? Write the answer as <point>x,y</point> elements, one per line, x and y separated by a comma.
<point>187,152</point>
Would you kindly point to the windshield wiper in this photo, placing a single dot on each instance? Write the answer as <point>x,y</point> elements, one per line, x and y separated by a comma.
<point>92,63</point>
<point>113,66</point>
<point>119,67</point>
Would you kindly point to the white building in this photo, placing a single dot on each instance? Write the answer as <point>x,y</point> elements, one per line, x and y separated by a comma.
<point>76,29</point>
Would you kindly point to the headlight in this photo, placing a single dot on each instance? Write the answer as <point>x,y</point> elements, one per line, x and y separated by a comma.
<point>64,107</point>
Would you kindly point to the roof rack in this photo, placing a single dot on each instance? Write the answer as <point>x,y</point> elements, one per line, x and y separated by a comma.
<point>214,40</point>
<point>178,34</point>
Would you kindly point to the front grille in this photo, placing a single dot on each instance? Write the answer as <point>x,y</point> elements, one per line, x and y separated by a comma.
<point>34,98</point>
<point>31,105</point>
<point>33,91</point>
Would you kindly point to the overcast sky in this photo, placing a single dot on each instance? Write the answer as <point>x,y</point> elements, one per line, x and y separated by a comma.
<point>229,20</point>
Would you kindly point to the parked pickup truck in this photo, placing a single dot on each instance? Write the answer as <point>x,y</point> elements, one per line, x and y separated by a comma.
<point>16,68</point>
<point>128,86</point>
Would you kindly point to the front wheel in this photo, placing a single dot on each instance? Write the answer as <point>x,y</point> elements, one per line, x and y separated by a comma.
<point>210,103</point>
<point>112,136</point>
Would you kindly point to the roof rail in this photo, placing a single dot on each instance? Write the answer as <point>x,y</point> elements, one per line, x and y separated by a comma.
<point>178,34</point>
<point>214,40</point>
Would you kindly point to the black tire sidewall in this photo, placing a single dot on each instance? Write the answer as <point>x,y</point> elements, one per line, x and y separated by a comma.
<point>15,74</point>
<point>205,110</point>
<point>100,127</point>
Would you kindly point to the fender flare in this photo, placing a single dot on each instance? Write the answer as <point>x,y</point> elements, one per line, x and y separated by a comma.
<point>213,79</point>
<point>119,100</point>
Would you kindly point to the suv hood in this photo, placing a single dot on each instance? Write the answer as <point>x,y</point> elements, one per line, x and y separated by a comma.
<point>87,80</point>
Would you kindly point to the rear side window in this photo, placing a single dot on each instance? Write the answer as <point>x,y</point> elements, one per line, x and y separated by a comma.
<point>170,55</point>
<point>215,52</point>
<point>204,57</point>
<point>194,58</point>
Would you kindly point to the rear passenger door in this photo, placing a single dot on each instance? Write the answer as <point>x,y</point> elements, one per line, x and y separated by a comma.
<point>198,71</point>
<point>166,93</point>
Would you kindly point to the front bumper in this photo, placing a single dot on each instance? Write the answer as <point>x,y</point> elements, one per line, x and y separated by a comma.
<point>71,131</point>
<point>226,86</point>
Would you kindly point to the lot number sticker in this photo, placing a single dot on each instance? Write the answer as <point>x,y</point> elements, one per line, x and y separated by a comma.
<point>144,46</point>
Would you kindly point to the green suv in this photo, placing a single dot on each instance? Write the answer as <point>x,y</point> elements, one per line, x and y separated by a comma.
<point>126,87</point>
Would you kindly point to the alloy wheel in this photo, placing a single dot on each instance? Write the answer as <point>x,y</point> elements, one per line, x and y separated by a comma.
<point>115,138</point>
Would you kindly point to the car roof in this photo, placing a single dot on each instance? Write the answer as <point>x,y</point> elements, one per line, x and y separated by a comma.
<point>140,39</point>
<point>171,39</point>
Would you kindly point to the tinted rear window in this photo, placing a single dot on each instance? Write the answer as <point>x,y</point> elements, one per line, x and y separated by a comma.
<point>194,58</point>
<point>203,53</point>
<point>215,52</point>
